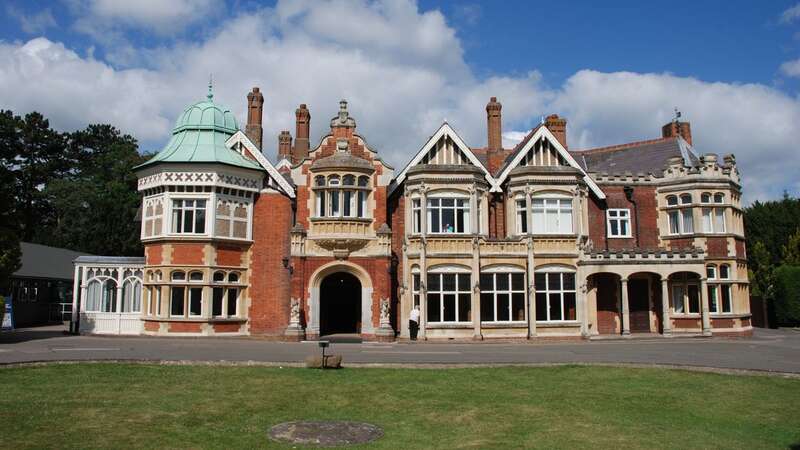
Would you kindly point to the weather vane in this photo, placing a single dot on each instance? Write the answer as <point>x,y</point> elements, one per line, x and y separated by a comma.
<point>210,87</point>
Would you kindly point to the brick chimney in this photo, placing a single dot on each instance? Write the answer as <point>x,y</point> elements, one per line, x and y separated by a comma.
<point>494,125</point>
<point>557,126</point>
<point>285,146</point>
<point>302,127</point>
<point>677,128</point>
<point>255,109</point>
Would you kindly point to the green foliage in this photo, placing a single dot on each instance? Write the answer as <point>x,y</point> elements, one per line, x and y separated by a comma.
<point>787,295</point>
<point>791,251</point>
<point>762,270</point>
<point>772,223</point>
<point>71,190</point>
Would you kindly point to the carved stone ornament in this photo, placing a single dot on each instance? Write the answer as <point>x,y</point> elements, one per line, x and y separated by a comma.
<point>385,312</point>
<point>294,312</point>
<point>342,245</point>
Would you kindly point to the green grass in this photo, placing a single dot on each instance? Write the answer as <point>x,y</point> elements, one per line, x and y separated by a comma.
<point>153,406</point>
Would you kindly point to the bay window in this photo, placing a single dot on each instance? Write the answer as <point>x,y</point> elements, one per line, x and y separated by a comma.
<point>502,297</point>
<point>719,289</point>
<point>522,216</point>
<point>552,215</point>
<point>343,196</point>
<point>685,291</point>
<point>188,216</point>
<point>448,215</point>
<point>681,219</point>
<point>186,299</point>
<point>231,219</point>
<point>555,296</point>
<point>449,298</point>
<point>713,218</point>
<point>225,300</point>
<point>619,223</point>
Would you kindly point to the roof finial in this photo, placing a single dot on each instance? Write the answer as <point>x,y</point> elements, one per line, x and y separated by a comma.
<point>677,115</point>
<point>210,95</point>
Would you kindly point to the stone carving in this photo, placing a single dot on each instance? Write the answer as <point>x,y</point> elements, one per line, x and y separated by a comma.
<point>294,312</point>
<point>385,312</point>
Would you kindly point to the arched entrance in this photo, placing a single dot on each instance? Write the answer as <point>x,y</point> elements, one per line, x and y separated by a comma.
<point>340,304</point>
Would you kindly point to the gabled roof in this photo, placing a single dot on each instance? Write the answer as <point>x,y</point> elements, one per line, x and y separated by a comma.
<point>42,261</point>
<point>644,157</point>
<point>241,138</point>
<point>527,143</point>
<point>444,130</point>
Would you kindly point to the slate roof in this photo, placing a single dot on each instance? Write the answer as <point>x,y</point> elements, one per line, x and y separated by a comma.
<point>42,261</point>
<point>636,157</point>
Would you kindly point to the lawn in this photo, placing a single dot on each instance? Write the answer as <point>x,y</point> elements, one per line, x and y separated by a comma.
<point>155,406</point>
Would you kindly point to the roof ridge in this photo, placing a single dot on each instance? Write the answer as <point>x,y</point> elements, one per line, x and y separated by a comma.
<point>612,148</point>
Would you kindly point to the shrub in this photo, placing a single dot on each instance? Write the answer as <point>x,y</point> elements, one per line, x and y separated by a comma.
<point>787,295</point>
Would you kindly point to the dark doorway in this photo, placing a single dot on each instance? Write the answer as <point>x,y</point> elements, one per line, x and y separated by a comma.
<point>607,311</point>
<point>639,303</point>
<point>340,304</point>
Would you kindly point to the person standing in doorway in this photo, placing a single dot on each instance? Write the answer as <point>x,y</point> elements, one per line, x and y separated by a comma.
<point>413,322</point>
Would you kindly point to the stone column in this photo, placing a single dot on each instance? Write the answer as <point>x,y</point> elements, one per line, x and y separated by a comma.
<point>626,318</point>
<point>476,290</point>
<point>666,321</point>
<point>529,210</point>
<point>704,307</point>
<point>531,291</point>
<point>423,264</point>
<point>473,210</point>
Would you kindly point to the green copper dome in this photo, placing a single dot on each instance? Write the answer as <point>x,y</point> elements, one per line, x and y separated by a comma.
<point>199,136</point>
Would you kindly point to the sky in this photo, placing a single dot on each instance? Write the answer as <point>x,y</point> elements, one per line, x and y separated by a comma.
<point>615,70</point>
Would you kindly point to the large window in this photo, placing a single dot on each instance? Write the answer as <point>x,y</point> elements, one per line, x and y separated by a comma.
<point>131,296</point>
<point>186,300</point>
<point>719,289</point>
<point>555,296</point>
<point>101,296</point>
<point>448,215</point>
<point>552,215</point>
<point>685,289</point>
<point>449,298</point>
<point>416,216</point>
<point>225,302</point>
<point>713,217</point>
<point>231,220</point>
<point>344,196</point>
<point>189,216</point>
<point>502,297</point>
<point>522,216</point>
<point>681,220</point>
<point>619,223</point>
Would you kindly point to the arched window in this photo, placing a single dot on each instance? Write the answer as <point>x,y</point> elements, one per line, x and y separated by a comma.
<point>719,197</point>
<point>131,296</point>
<point>686,199</point>
<point>672,200</point>
<point>178,276</point>
<point>196,276</point>
<point>705,197</point>
<point>219,276</point>
<point>94,294</point>
<point>711,272</point>
<point>725,272</point>
<point>349,180</point>
<point>109,302</point>
<point>555,295</point>
<point>233,277</point>
<point>503,295</point>
<point>363,181</point>
<point>333,180</point>
<point>319,180</point>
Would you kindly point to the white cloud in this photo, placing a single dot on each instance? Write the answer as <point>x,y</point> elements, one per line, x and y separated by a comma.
<point>163,17</point>
<point>403,72</point>
<point>791,14</point>
<point>791,68</point>
<point>33,23</point>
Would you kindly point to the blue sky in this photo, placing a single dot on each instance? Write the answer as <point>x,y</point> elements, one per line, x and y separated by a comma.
<point>616,70</point>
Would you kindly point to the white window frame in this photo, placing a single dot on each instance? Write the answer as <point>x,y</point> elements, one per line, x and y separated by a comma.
<point>509,291</point>
<point>460,206</point>
<point>683,285</point>
<point>333,193</point>
<point>184,210</point>
<point>232,220</point>
<point>521,206</point>
<point>547,291</point>
<point>619,216</point>
<point>544,206</point>
<point>459,290</point>
<point>717,286</point>
<point>416,216</point>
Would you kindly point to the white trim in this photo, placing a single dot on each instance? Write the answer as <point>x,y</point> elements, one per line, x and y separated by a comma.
<point>444,130</point>
<point>545,132</point>
<point>502,268</point>
<point>619,219</point>
<point>241,138</point>
<point>449,268</point>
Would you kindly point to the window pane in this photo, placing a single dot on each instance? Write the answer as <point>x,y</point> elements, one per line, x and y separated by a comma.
<point>518,281</point>
<point>694,298</point>
<point>708,226</point>
<point>502,281</point>
<point>677,298</point>
<point>569,306</point>
<point>415,282</point>
<point>216,304</point>
<point>725,271</point>
<point>233,295</point>
<point>712,299</point>
<point>448,282</point>
<point>464,284</point>
<point>487,282</point>
<point>464,307</point>
<point>674,223</point>
<point>719,220</point>
<point>487,307</point>
<point>502,307</point>
<point>551,222</point>
<point>448,220</point>
<point>434,315</point>
<point>569,281</point>
<point>555,307</point>
<point>200,221</point>
<point>726,299</point>
<point>672,200</point>
<point>688,221</point>
<point>541,306</point>
<point>195,301</point>
<point>614,228</point>
<point>565,221</point>
<point>554,281</point>
<point>434,224</point>
<point>348,198</point>
<point>176,301</point>
<point>188,220</point>
<point>449,301</point>
<point>517,306</point>
<point>433,282</point>
<point>540,281</point>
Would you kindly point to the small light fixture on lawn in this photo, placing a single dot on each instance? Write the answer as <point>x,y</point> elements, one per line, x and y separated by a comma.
<point>323,345</point>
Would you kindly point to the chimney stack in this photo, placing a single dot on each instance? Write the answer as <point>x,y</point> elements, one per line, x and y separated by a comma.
<point>677,128</point>
<point>285,146</point>
<point>557,126</point>
<point>302,127</point>
<point>255,109</point>
<point>494,125</point>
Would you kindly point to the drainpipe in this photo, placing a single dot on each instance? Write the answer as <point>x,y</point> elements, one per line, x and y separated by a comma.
<point>629,195</point>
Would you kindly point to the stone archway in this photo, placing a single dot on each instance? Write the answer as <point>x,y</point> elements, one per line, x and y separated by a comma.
<point>315,292</point>
<point>340,304</point>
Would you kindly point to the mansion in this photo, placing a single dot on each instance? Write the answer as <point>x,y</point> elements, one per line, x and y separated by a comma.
<point>538,241</point>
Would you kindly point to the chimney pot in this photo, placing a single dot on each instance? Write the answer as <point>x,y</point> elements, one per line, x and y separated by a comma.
<point>302,129</point>
<point>494,125</point>
<point>558,126</point>
<point>255,112</point>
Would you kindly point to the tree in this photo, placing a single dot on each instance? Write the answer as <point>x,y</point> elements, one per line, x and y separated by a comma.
<point>762,269</point>
<point>9,238</point>
<point>791,251</point>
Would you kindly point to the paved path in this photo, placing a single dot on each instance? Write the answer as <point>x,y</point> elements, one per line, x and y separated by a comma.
<point>770,350</point>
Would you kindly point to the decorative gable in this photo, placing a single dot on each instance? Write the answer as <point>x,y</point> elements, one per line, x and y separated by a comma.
<point>445,151</point>
<point>542,153</point>
<point>241,143</point>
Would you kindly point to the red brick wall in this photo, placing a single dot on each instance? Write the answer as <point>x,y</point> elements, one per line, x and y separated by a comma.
<point>647,212</point>
<point>152,253</point>
<point>226,327</point>
<point>269,280</point>
<point>187,253</point>
<point>497,216</point>
<point>151,326</point>
<point>717,246</point>
<point>741,251</point>
<point>680,244</point>
<point>185,327</point>
<point>398,224</point>
<point>230,255</point>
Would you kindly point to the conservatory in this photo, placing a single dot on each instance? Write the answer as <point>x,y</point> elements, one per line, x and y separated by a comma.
<point>107,292</point>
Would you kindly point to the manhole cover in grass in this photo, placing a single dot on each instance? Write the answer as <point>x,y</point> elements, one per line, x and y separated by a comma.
<point>327,433</point>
